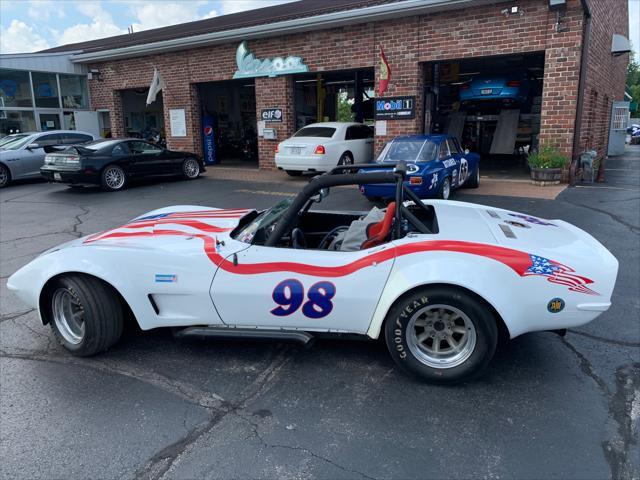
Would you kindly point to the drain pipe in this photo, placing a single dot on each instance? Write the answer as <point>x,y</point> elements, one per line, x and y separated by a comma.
<point>577,131</point>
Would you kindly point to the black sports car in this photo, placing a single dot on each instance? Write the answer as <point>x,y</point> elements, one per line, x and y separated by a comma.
<point>111,163</point>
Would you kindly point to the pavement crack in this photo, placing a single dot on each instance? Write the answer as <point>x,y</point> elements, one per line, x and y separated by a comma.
<point>161,462</point>
<point>256,434</point>
<point>612,341</point>
<point>624,406</point>
<point>14,316</point>
<point>79,221</point>
<point>624,411</point>
<point>613,216</point>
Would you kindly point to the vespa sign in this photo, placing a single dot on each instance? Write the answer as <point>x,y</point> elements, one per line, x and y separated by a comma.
<point>249,66</point>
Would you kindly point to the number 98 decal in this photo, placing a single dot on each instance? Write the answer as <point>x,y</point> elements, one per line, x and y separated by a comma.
<point>289,295</point>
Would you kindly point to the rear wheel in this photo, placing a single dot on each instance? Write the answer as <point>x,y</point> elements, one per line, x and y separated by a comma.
<point>86,314</point>
<point>474,182</point>
<point>445,189</point>
<point>5,176</point>
<point>113,178</point>
<point>441,334</point>
<point>190,169</point>
<point>346,159</point>
<point>293,173</point>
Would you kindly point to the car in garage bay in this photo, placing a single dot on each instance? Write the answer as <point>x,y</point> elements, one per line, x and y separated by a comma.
<point>506,89</point>
<point>436,166</point>
<point>112,163</point>
<point>321,146</point>
<point>22,156</point>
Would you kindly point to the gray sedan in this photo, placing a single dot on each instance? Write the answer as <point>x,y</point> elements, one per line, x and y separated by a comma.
<point>22,157</point>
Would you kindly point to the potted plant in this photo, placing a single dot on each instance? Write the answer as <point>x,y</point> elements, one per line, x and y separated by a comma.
<point>546,165</point>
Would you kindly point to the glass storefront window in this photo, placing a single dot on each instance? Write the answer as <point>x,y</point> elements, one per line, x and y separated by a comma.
<point>45,89</point>
<point>16,122</point>
<point>14,89</point>
<point>73,89</point>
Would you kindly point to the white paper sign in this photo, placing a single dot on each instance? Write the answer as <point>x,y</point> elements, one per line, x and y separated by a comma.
<point>381,127</point>
<point>178,122</point>
<point>261,125</point>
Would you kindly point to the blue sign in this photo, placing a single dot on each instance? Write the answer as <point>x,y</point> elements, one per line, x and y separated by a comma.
<point>208,135</point>
<point>395,108</point>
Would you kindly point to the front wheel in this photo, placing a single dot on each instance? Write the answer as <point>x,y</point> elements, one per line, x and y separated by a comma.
<point>190,169</point>
<point>441,334</point>
<point>113,178</point>
<point>445,189</point>
<point>85,314</point>
<point>5,176</point>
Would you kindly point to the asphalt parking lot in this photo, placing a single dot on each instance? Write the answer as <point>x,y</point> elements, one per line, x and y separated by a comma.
<point>154,407</point>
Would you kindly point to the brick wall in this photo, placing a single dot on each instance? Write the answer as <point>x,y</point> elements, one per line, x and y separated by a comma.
<point>408,43</point>
<point>606,74</point>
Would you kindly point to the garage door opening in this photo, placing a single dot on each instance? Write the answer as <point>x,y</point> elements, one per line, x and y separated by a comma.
<point>491,104</point>
<point>343,96</point>
<point>230,108</point>
<point>142,120</point>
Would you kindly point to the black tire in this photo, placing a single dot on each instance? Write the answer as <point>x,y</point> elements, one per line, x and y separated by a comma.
<point>106,182</point>
<point>190,168</point>
<point>5,175</point>
<point>474,182</point>
<point>345,159</point>
<point>445,189</point>
<point>415,358</point>
<point>102,314</point>
<point>293,173</point>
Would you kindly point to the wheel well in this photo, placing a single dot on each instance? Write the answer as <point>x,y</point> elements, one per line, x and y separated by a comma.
<point>47,291</point>
<point>8,169</point>
<point>503,331</point>
<point>347,152</point>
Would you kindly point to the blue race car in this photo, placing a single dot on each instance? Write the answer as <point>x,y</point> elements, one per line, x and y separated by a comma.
<point>435,164</point>
<point>506,89</point>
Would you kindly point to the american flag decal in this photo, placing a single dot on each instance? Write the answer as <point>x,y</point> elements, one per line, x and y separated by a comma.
<point>558,273</point>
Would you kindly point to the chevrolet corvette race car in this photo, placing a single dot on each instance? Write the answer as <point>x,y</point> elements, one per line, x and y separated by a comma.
<point>438,279</point>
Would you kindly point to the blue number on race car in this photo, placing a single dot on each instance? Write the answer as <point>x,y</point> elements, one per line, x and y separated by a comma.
<point>289,295</point>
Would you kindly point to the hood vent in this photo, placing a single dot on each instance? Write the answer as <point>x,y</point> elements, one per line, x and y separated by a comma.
<point>507,231</point>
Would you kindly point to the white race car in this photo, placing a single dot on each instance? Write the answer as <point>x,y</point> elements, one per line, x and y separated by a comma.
<point>439,279</point>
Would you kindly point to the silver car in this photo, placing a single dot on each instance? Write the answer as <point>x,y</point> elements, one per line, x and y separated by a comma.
<point>22,156</point>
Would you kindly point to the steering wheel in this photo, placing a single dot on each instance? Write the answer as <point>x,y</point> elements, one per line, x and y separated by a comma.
<point>326,240</point>
<point>297,238</point>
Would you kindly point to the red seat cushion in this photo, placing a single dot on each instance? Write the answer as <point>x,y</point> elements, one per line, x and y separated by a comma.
<point>378,232</point>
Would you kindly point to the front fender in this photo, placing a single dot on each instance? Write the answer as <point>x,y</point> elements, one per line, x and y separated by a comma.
<point>521,302</point>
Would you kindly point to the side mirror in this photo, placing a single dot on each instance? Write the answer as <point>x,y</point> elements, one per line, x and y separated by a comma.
<point>34,146</point>
<point>466,151</point>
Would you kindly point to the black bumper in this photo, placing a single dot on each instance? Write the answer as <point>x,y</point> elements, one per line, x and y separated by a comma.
<point>71,177</point>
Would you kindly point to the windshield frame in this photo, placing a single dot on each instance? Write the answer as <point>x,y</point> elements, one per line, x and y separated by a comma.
<point>263,221</point>
<point>416,158</point>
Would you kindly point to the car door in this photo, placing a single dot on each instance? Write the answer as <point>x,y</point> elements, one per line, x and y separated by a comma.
<point>449,164</point>
<point>367,135</point>
<point>355,141</point>
<point>146,159</point>
<point>301,289</point>
<point>462,163</point>
<point>33,159</point>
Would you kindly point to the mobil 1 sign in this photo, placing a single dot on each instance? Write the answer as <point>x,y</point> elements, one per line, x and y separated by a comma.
<point>395,108</point>
<point>271,114</point>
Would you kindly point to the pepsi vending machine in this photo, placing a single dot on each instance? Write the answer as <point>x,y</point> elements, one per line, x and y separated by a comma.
<point>208,135</point>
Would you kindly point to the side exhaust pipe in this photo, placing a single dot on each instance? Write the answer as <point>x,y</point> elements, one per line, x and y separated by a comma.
<point>300,337</point>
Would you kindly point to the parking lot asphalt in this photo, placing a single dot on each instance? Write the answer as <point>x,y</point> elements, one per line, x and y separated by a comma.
<point>154,407</point>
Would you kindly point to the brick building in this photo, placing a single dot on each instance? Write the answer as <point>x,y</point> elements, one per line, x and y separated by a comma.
<point>434,48</point>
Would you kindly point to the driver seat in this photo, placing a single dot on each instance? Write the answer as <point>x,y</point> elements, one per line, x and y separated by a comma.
<point>378,232</point>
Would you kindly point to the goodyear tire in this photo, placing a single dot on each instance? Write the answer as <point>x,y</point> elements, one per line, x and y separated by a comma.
<point>85,314</point>
<point>441,334</point>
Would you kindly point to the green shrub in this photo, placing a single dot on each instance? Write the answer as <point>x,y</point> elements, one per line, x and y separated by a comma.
<point>547,156</point>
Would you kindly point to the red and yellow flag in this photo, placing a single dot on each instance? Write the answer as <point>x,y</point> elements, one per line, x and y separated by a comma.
<point>385,73</point>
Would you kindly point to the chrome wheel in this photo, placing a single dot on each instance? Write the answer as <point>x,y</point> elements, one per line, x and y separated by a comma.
<point>68,315</point>
<point>441,336</point>
<point>446,189</point>
<point>114,178</point>
<point>4,176</point>
<point>345,160</point>
<point>191,168</point>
